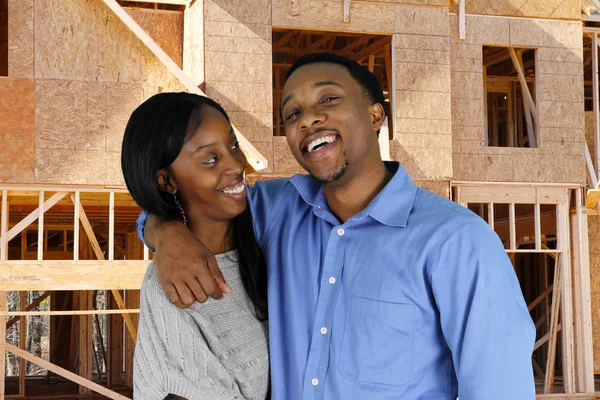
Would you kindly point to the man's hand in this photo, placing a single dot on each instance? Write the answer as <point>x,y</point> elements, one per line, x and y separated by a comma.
<point>186,269</point>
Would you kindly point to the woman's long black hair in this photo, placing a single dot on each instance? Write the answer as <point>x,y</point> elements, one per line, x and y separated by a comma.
<point>153,139</point>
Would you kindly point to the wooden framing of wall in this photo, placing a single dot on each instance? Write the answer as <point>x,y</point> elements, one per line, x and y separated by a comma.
<point>83,274</point>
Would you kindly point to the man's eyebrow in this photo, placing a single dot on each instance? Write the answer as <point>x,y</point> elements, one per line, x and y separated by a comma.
<point>315,85</point>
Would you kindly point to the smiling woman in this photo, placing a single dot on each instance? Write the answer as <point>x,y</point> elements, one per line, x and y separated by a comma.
<point>181,158</point>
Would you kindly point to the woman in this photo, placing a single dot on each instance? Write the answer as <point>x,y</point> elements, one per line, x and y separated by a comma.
<point>180,158</point>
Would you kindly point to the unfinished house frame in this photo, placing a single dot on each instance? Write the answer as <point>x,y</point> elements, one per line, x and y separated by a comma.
<point>494,105</point>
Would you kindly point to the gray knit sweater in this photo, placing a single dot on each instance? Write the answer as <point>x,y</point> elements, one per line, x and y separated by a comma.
<point>216,350</point>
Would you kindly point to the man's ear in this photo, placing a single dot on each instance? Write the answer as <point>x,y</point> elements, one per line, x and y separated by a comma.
<point>165,181</point>
<point>377,116</point>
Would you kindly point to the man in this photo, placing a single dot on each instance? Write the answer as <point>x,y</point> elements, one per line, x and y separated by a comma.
<point>377,289</point>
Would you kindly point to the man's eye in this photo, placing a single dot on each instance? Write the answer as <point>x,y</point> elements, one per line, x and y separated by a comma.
<point>236,146</point>
<point>211,161</point>
<point>292,115</point>
<point>328,99</point>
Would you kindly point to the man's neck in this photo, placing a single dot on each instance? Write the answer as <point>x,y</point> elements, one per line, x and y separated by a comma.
<point>351,197</point>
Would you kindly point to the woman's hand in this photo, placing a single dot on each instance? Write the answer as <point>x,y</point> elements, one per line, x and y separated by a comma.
<point>187,270</point>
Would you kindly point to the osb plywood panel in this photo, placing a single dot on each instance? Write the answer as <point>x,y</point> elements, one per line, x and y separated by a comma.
<point>193,42</point>
<point>113,170</point>
<point>417,20</point>
<point>561,114</point>
<point>233,96</point>
<point>441,188</point>
<point>17,130</point>
<point>165,28</point>
<point>567,88</point>
<point>156,78</point>
<point>329,15</point>
<point>61,38</point>
<point>560,9</point>
<point>20,38</point>
<point>115,58</point>
<point>283,160</point>
<point>545,33</point>
<point>247,12</point>
<point>594,244</point>
<point>238,30</point>
<point>61,166</point>
<point>122,98</point>
<point>423,105</point>
<point>422,77</point>
<point>482,30</point>
<point>521,165</point>
<point>61,118</point>
<point>241,67</point>
<point>425,163</point>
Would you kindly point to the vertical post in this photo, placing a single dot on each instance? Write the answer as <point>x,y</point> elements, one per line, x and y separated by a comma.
<point>595,102</point>
<point>76,227</point>
<point>85,340</point>
<point>491,215</point>
<point>40,246</point>
<point>512,226</point>
<point>486,140</point>
<point>461,20</point>
<point>583,301</point>
<point>563,236</point>
<point>111,226</point>
<point>3,257</point>
<point>538,227</point>
<point>22,339</point>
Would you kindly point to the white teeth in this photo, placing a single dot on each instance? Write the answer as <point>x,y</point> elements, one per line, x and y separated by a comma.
<point>239,188</point>
<point>316,142</point>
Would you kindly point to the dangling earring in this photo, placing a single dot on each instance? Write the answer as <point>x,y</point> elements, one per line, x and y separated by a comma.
<point>181,210</point>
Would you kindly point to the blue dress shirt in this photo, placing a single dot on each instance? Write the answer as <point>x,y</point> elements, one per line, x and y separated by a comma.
<point>412,298</point>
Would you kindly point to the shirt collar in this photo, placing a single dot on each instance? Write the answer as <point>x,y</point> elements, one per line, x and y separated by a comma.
<point>391,206</point>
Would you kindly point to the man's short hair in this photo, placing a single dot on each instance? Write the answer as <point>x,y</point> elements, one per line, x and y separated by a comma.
<point>365,78</point>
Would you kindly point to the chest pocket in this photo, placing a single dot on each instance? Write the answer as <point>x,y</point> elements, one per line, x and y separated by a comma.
<point>378,343</point>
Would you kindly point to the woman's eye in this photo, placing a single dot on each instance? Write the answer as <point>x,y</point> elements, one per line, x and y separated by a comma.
<point>211,161</point>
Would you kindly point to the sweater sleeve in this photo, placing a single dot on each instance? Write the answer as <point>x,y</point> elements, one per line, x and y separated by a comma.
<point>171,354</point>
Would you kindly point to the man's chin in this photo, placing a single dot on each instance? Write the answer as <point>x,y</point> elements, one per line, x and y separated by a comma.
<point>325,177</point>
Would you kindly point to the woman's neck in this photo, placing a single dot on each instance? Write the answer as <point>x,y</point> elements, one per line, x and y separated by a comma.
<point>215,235</point>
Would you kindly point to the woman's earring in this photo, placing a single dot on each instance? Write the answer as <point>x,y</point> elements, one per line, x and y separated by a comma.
<point>181,210</point>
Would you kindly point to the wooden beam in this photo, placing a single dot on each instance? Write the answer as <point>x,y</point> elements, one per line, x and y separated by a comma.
<point>283,40</point>
<point>528,111</point>
<point>595,103</point>
<point>30,307</point>
<point>512,226</point>
<point>174,2</point>
<point>540,298</point>
<point>71,275</point>
<point>371,65</point>
<point>65,373</point>
<point>461,20</point>
<point>524,88</point>
<point>255,158</point>
<point>347,11</point>
<point>554,316</point>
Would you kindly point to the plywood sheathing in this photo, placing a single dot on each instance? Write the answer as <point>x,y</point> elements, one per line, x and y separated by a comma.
<point>558,96</point>
<point>594,247</point>
<point>20,40</point>
<point>284,161</point>
<point>85,95</point>
<point>441,188</point>
<point>193,42</point>
<point>328,16</point>
<point>238,66</point>
<point>17,130</point>
<point>423,141</point>
<point>559,9</point>
<point>166,28</point>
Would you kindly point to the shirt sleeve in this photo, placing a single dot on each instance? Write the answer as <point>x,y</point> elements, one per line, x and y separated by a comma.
<point>484,317</point>
<point>140,224</point>
<point>265,199</point>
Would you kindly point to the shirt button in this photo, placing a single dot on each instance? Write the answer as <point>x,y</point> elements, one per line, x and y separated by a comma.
<point>315,381</point>
<point>332,280</point>
<point>323,330</point>
<point>341,232</point>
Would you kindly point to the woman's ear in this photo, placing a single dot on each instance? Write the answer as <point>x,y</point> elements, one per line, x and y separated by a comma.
<point>377,116</point>
<point>165,182</point>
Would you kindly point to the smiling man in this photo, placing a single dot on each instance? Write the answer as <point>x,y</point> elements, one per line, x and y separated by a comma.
<point>378,289</point>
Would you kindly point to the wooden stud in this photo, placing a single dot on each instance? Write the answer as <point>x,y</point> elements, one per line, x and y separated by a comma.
<point>64,373</point>
<point>111,226</point>
<point>523,81</point>
<point>461,20</point>
<point>44,206</point>
<point>538,226</point>
<point>491,216</point>
<point>596,104</point>
<point>22,340</point>
<point>76,227</point>
<point>512,226</point>
<point>371,66</point>
<point>553,334</point>
<point>85,341</point>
